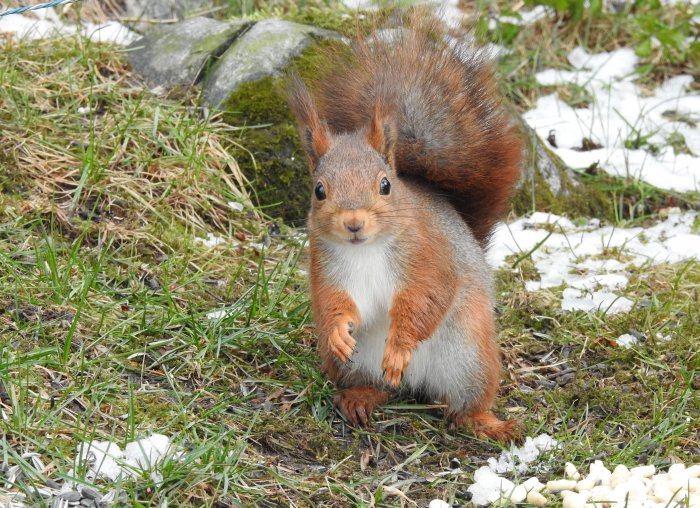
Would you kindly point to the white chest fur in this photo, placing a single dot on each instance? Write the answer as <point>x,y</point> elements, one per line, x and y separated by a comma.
<point>364,271</point>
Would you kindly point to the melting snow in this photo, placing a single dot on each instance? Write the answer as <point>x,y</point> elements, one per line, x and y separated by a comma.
<point>619,114</point>
<point>592,261</point>
<point>489,486</point>
<point>626,340</point>
<point>518,458</point>
<point>47,24</point>
<point>211,240</point>
<point>107,460</point>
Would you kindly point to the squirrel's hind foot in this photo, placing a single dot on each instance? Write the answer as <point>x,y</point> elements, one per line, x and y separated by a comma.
<point>487,425</point>
<point>357,403</point>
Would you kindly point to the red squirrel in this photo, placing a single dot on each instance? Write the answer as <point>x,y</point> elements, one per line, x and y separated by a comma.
<point>414,161</point>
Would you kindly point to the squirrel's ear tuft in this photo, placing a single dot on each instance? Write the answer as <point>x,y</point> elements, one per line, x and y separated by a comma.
<point>382,134</point>
<point>315,136</point>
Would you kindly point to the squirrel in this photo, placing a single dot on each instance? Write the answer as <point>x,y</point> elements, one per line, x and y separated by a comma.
<point>414,161</point>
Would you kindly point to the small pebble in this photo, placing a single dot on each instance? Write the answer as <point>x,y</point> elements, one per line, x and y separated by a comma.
<point>438,503</point>
<point>454,463</point>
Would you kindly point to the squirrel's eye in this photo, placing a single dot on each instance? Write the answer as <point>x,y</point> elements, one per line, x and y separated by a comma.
<point>320,191</point>
<point>384,187</point>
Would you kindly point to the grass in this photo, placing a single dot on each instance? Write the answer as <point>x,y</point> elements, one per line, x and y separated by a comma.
<point>104,333</point>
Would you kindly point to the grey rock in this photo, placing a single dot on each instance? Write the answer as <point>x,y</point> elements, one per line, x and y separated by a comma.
<point>163,9</point>
<point>262,51</point>
<point>546,163</point>
<point>540,160</point>
<point>177,54</point>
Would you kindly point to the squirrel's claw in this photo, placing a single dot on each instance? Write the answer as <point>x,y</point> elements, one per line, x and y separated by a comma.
<point>394,364</point>
<point>341,343</point>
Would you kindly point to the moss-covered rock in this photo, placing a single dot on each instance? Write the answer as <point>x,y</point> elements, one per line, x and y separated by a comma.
<point>177,54</point>
<point>264,50</point>
<point>548,184</point>
<point>269,151</point>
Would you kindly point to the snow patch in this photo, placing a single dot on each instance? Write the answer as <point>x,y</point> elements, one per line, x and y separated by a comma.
<point>626,340</point>
<point>47,24</point>
<point>211,240</point>
<point>107,460</point>
<point>630,132</point>
<point>519,458</point>
<point>590,261</point>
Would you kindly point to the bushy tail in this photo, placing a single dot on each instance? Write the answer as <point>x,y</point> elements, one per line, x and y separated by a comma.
<point>452,132</point>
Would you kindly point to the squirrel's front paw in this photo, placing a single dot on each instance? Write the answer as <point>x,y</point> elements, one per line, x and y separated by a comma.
<point>340,341</point>
<point>394,363</point>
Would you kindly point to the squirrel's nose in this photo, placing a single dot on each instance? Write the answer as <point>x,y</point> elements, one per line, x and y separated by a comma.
<point>354,227</point>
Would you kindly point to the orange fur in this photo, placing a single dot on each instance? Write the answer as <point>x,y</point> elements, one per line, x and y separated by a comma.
<point>430,121</point>
<point>451,129</point>
<point>357,403</point>
<point>479,322</point>
<point>419,308</point>
<point>336,316</point>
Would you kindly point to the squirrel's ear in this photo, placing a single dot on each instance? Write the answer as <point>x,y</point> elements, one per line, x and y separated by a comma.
<point>382,134</point>
<point>315,136</point>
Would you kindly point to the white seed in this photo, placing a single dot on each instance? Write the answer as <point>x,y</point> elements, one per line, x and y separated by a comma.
<point>643,471</point>
<point>574,500</point>
<point>587,483</point>
<point>535,498</point>
<point>438,503</point>
<point>518,494</point>
<point>586,494</point>
<point>694,500</point>
<point>693,471</point>
<point>694,484</point>
<point>619,475</point>
<point>662,492</point>
<point>559,485</point>
<point>571,472</point>
<point>601,493</point>
<point>602,473</point>
<point>565,493</point>
<point>636,489</point>
<point>676,469</point>
<point>533,484</point>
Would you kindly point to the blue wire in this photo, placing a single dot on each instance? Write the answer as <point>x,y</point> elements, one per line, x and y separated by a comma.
<point>19,10</point>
